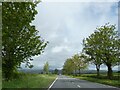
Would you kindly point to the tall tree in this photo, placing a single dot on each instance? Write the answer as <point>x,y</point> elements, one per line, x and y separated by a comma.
<point>91,48</point>
<point>68,66</point>
<point>79,62</point>
<point>74,64</point>
<point>110,47</point>
<point>106,44</point>
<point>20,39</point>
<point>46,68</point>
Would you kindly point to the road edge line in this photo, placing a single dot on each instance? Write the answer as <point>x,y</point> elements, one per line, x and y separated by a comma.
<point>52,83</point>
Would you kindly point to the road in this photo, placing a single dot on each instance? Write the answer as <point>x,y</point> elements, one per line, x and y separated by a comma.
<point>65,82</point>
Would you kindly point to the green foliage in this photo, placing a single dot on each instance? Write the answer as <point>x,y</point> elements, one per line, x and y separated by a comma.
<point>46,68</point>
<point>80,61</point>
<point>103,46</point>
<point>56,71</point>
<point>20,39</point>
<point>68,67</point>
<point>74,64</point>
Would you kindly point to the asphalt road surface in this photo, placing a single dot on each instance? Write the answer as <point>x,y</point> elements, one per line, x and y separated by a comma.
<point>65,82</point>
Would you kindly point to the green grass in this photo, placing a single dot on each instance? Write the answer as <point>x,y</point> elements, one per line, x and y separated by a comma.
<point>102,79</point>
<point>30,81</point>
<point>0,79</point>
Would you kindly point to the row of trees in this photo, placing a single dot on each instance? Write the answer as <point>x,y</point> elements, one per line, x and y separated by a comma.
<point>74,64</point>
<point>46,69</point>
<point>101,47</point>
<point>20,39</point>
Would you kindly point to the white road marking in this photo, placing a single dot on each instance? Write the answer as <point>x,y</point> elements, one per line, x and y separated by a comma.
<point>52,83</point>
<point>78,86</point>
<point>109,86</point>
<point>68,78</point>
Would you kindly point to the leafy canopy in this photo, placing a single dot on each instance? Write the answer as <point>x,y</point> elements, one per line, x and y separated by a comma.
<point>20,39</point>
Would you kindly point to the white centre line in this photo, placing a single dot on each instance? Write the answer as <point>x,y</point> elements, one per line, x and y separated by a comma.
<point>52,83</point>
<point>78,86</point>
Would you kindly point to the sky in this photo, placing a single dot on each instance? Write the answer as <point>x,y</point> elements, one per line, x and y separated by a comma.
<point>66,24</point>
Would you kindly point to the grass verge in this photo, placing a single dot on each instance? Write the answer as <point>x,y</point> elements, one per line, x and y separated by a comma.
<point>102,79</point>
<point>30,81</point>
<point>0,78</point>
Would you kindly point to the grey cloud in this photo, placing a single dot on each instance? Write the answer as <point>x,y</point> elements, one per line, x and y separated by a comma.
<point>65,25</point>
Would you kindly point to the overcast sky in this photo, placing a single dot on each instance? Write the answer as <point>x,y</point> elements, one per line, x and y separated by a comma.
<point>65,24</point>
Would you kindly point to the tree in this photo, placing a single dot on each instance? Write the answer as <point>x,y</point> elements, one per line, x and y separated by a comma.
<point>106,44</point>
<point>74,64</point>
<point>79,62</point>
<point>110,47</point>
<point>91,48</point>
<point>56,71</point>
<point>20,39</point>
<point>46,68</point>
<point>68,67</point>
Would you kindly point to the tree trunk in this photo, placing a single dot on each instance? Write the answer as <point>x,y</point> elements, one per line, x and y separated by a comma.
<point>8,66</point>
<point>98,73</point>
<point>79,72</point>
<point>98,70</point>
<point>75,72</point>
<point>109,74</point>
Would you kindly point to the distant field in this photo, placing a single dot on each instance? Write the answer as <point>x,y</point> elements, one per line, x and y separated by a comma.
<point>30,81</point>
<point>102,79</point>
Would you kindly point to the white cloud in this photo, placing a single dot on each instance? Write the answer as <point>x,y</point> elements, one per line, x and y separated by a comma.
<point>65,25</point>
<point>66,40</point>
<point>53,36</point>
<point>59,49</point>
